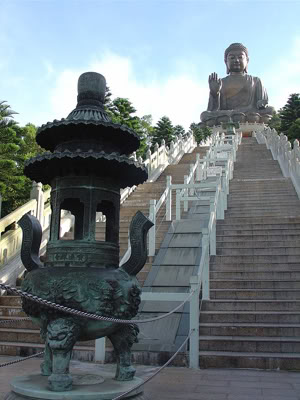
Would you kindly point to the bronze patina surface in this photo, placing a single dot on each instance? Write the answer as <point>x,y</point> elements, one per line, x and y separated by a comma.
<point>239,96</point>
<point>87,165</point>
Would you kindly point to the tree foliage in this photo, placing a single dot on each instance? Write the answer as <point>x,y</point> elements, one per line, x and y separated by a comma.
<point>290,112</point>
<point>275,122</point>
<point>200,133</point>
<point>293,132</point>
<point>163,130</point>
<point>179,130</point>
<point>17,144</point>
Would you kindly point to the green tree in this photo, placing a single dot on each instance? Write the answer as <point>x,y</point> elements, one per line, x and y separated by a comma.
<point>294,131</point>
<point>275,122</point>
<point>200,133</point>
<point>163,130</point>
<point>122,112</point>
<point>290,112</point>
<point>6,115</point>
<point>179,130</point>
<point>147,133</point>
<point>17,144</point>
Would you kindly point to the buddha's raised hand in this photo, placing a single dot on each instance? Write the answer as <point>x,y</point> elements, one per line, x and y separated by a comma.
<point>215,84</point>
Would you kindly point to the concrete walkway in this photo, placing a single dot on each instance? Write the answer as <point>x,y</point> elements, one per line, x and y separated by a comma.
<point>183,383</point>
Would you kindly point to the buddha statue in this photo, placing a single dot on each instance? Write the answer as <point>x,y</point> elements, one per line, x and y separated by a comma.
<point>238,97</point>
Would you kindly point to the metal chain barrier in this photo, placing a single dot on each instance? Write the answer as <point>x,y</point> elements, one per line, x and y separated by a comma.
<point>21,359</point>
<point>156,372</point>
<point>89,315</point>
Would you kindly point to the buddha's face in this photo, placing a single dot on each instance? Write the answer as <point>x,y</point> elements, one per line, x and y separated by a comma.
<point>236,61</point>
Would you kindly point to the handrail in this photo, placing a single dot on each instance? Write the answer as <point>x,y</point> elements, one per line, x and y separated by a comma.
<point>282,150</point>
<point>14,216</point>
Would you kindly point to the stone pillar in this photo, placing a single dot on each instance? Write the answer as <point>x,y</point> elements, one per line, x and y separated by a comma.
<point>37,194</point>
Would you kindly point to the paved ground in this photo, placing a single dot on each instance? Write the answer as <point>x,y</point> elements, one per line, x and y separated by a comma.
<point>183,383</point>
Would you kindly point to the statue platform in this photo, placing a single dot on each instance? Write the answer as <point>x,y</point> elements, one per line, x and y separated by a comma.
<point>86,386</point>
<point>247,129</point>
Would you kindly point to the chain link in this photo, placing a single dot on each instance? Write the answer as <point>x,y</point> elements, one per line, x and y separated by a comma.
<point>89,315</point>
<point>21,359</point>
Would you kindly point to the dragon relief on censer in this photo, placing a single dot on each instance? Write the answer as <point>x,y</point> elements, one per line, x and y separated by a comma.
<point>87,165</point>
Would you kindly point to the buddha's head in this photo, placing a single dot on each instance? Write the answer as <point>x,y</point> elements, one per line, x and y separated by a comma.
<point>236,58</point>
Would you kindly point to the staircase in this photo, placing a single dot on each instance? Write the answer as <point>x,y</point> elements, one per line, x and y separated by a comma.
<point>22,338</point>
<point>253,317</point>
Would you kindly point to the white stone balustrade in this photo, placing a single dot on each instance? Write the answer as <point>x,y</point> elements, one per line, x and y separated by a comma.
<point>282,150</point>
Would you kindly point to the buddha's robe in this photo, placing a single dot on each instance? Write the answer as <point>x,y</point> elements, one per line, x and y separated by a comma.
<point>239,93</point>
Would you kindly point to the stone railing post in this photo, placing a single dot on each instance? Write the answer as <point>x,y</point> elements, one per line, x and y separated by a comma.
<point>37,194</point>
<point>205,274</point>
<point>169,199</point>
<point>194,323</point>
<point>148,157</point>
<point>152,231</point>
<point>163,145</point>
<point>100,350</point>
<point>192,180</point>
<point>198,169</point>
<point>156,151</point>
<point>186,192</point>
<point>178,205</point>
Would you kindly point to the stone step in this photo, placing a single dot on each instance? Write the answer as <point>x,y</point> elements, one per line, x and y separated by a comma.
<point>237,284</point>
<point>284,275</point>
<point>262,206</point>
<point>22,349</point>
<point>285,235</point>
<point>255,294</point>
<point>260,213</point>
<point>255,344</point>
<point>250,305</point>
<point>222,234</point>
<point>259,244</point>
<point>20,335</point>
<point>248,329</point>
<point>269,317</point>
<point>278,361</point>
<point>252,267</point>
<point>234,259</point>
<point>17,323</point>
<point>10,301</point>
<point>11,311</point>
<point>29,336</point>
<point>260,221</point>
<point>258,251</point>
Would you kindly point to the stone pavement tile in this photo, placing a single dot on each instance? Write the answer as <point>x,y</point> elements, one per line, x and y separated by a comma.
<point>283,397</point>
<point>183,383</point>
<point>244,397</point>
<point>228,390</point>
<point>280,392</point>
<point>296,386</point>
<point>187,396</point>
<point>261,384</point>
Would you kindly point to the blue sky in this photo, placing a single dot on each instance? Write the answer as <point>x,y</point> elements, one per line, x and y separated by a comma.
<point>157,53</point>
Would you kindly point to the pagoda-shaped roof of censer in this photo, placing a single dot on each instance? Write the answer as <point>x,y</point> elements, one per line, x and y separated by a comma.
<point>87,142</point>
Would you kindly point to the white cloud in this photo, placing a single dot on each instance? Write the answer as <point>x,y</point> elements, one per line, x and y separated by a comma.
<point>181,97</point>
